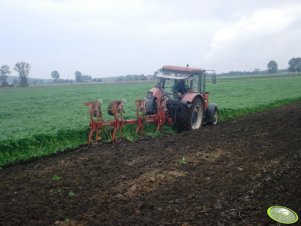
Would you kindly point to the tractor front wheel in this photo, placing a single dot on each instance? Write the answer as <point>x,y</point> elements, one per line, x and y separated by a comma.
<point>193,116</point>
<point>214,119</point>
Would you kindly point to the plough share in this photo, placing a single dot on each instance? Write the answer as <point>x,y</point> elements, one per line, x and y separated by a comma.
<point>97,123</point>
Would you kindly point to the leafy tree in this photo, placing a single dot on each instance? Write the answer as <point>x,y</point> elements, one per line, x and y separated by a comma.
<point>272,66</point>
<point>23,69</point>
<point>55,75</point>
<point>4,71</point>
<point>15,82</point>
<point>97,80</point>
<point>86,77</point>
<point>78,76</point>
<point>142,77</point>
<point>256,71</point>
<point>294,65</point>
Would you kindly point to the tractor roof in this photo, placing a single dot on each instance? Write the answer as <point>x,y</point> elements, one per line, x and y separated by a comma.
<point>182,70</point>
<point>175,72</point>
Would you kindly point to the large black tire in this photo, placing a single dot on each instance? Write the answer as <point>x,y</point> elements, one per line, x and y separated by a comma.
<point>192,118</point>
<point>150,106</point>
<point>211,115</point>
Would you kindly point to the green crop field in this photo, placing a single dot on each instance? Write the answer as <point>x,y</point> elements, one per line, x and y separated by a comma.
<point>38,121</point>
<point>45,110</point>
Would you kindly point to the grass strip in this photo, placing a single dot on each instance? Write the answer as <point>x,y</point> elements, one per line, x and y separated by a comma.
<point>229,114</point>
<point>15,151</point>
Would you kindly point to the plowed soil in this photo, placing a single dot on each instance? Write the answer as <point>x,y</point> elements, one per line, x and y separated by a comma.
<point>227,174</point>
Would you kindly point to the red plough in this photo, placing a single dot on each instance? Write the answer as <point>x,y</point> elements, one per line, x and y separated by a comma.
<point>116,109</point>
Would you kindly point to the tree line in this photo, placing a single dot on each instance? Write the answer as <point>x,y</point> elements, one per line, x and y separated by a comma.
<point>294,65</point>
<point>23,69</point>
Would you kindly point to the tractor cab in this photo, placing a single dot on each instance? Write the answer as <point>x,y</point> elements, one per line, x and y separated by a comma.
<point>181,80</point>
<point>183,89</point>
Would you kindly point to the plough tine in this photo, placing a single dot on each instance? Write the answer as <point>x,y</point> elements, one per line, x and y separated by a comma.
<point>140,113</point>
<point>116,109</point>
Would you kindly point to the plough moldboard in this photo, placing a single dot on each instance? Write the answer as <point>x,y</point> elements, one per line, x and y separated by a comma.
<point>97,123</point>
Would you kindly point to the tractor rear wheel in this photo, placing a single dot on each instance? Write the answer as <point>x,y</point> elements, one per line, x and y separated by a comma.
<point>192,118</point>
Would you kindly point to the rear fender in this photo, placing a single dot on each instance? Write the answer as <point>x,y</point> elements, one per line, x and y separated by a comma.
<point>190,97</point>
<point>157,92</point>
<point>150,103</point>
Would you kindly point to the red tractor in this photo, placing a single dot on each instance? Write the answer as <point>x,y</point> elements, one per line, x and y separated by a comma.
<point>186,99</point>
<point>185,105</point>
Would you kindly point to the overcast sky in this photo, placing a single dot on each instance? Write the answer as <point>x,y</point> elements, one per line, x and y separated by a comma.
<point>118,37</point>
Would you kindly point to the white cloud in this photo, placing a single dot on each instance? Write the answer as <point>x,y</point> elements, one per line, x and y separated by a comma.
<point>105,37</point>
<point>252,36</point>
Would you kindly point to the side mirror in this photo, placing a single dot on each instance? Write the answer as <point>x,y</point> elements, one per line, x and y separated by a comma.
<point>211,73</point>
<point>214,78</point>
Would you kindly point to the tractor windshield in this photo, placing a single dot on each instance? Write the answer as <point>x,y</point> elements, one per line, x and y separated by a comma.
<point>180,79</point>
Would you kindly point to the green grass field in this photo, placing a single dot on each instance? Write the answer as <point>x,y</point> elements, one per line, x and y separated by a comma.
<point>46,110</point>
<point>37,121</point>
